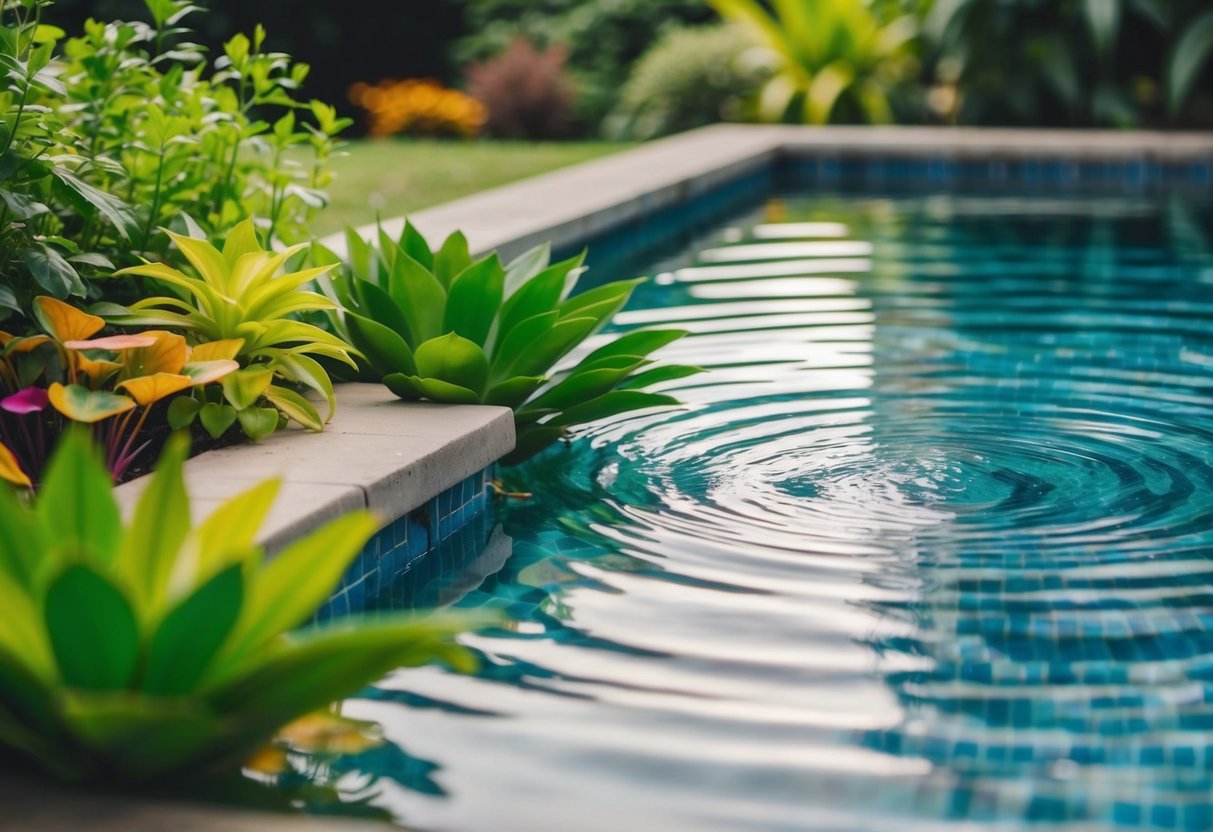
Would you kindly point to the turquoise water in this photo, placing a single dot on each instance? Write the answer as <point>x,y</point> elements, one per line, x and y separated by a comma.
<point>928,548</point>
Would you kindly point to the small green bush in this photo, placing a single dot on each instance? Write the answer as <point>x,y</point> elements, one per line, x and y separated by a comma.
<point>691,77</point>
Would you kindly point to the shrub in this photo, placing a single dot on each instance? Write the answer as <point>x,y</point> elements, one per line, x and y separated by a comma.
<point>525,91</point>
<point>241,302</point>
<point>835,60</point>
<point>604,38</point>
<point>444,327</point>
<point>690,77</point>
<point>139,652</point>
<point>417,107</point>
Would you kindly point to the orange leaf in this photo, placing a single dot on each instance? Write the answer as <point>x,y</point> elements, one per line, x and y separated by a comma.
<point>153,388</point>
<point>217,350</point>
<point>65,322</point>
<point>29,343</point>
<point>166,355</point>
<point>10,469</point>
<point>205,372</point>
<point>95,370</point>
<point>83,405</point>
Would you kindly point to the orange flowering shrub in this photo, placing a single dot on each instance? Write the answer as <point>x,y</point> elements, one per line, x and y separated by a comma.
<point>418,107</point>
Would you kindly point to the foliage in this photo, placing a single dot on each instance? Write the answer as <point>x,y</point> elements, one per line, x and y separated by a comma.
<point>242,305</point>
<point>835,60</point>
<point>690,77</point>
<point>604,38</point>
<point>1097,62</point>
<point>444,327</point>
<point>127,129</point>
<point>417,107</point>
<point>112,383</point>
<point>137,652</point>
<point>526,92</point>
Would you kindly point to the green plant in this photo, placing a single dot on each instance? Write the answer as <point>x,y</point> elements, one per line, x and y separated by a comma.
<point>834,59</point>
<point>1058,62</point>
<point>240,301</point>
<point>444,327</point>
<point>137,652</point>
<point>690,77</point>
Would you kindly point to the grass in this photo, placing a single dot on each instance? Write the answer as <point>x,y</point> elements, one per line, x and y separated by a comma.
<point>394,177</point>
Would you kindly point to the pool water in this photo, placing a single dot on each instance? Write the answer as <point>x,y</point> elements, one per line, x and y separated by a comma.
<point>930,546</point>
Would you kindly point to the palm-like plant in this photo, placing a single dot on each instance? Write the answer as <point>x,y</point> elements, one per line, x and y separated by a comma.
<point>141,651</point>
<point>826,52</point>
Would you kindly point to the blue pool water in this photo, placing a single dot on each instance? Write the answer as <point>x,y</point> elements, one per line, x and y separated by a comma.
<point>930,546</point>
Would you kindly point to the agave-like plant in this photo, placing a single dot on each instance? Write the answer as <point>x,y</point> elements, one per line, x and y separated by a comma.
<point>238,297</point>
<point>139,652</point>
<point>444,327</point>
<point>825,51</point>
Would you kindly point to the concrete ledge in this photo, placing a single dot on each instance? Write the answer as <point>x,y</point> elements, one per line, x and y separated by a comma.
<point>378,452</point>
<point>570,206</point>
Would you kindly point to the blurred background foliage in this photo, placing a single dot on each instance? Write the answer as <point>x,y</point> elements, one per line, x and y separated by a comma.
<point>561,69</point>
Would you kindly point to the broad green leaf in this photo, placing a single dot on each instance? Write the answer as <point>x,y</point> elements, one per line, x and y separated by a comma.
<point>158,528</point>
<point>1103,19</point>
<point>611,404</point>
<point>217,418</point>
<point>258,422</point>
<point>294,407</point>
<point>298,580</point>
<point>115,211</point>
<point>228,534</point>
<point>402,385</point>
<point>525,266</point>
<point>455,360</point>
<point>52,272</point>
<point>611,295</point>
<point>307,371</point>
<point>182,411</point>
<point>92,630</point>
<point>517,341</point>
<point>658,375</point>
<point>580,387</point>
<point>641,342</point>
<point>514,391</point>
<point>420,296</point>
<point>434,389</point>
<point>384,349</point>
<point>243,388</point>
<point>379,306</point>
<point>22,544</point>
<point>415,246</point>
<point>452,258</point>
<point>241,240</point>
<point>543,293</point>
<point>474,298</point>
<point>76,506</point>
<point>360,255</point>
<point>191,634</point>
<point>551,346</point>
<point>22,634</point>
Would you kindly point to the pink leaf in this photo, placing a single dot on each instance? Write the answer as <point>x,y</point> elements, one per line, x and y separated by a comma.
<point>29,400</point>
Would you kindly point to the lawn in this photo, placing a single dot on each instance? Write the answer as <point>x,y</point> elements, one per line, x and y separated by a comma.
<point>394,177</point>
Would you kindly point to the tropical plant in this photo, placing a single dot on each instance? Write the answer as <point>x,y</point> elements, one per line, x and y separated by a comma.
<point>137,652</point>
<point>526,92</point>
<point>834,59</point>
<point>109,382</point>
<point>445,327</point>
<point>690,77</point>
<point>1041,61</point>
<point>417,107</point>
<point>240,307</point>
<point>604,39</point>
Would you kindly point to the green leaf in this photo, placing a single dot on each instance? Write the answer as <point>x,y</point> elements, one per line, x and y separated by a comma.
<point>228,534</point>
<point>543,293</point>
<point>92,629</point>
<point>639,343</point>
<point>452,258</point>
<point>52,272</point>
<point>182,411</point>
<point>76,506</point>
<point>580,386</point>
<point>22,544</point>
<point>519,339</point>
<point>361,255</point>
<point>474,298</point>
<point>1103,19</point>
<point>307,371</point>
<point>601,302</point>
<point>436,390</point>
<point>1187,58</point>
<point>80,404</point>
<point>453,359</point>
<point>244,387</point>
<point>160,525</point>
<point>658,375</point>
<point>415,246</point>
<point>217,418</point>
<point>299,579</point>
<point>551,346</point>
<point>379,306</point>
<point>384,349</point>
<point>525,266</point>
<point>419,295</point>
<point>190,636</point>
<point>258,422</point>
<point>117,212</point>
<point>294,406</point>
<point>514,391</point>
<point>611,404</point>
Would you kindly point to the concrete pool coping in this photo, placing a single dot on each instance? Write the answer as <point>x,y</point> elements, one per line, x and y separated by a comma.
<point>391,456</point>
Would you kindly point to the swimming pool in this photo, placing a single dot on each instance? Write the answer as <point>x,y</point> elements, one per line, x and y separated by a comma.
<point>930,546</point>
